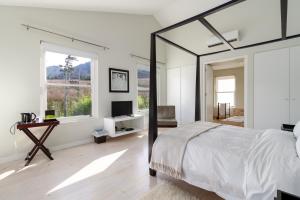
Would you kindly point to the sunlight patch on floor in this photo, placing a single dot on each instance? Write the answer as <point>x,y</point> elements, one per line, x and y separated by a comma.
<point>14,171</point>
<point>27,167</point>
<point>95,167</point>
<point>6,174</point>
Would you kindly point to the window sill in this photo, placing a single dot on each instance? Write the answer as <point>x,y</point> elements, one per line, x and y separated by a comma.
<point>145,111</point>
<point>69,120</point>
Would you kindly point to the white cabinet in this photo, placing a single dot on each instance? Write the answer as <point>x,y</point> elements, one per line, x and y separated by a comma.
<point>173,90</point>
<point>209,93</point>
<point>188,89</point>
<point>181,92</point>
<point>276,92</point>
<point>271,89</point>
<point>116,126</point>
<point>295,84</point>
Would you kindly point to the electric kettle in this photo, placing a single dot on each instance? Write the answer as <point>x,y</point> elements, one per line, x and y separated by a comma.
<point>27,117</point>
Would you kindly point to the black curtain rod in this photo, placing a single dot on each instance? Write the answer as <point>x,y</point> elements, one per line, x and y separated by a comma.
<point>143,58</point>
<point>64,36</point>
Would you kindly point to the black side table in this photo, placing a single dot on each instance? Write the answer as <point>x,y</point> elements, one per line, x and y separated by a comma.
<point>39,143</point>
<point>287,127</point>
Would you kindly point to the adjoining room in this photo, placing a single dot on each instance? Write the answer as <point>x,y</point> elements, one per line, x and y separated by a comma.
<point>225,92</point>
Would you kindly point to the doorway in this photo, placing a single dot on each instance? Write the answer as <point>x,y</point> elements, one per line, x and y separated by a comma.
<point>225,92</point>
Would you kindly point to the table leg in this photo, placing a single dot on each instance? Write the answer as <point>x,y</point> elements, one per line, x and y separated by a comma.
<point>43,139</point>
<point>38,144</point>
<point>34,139</point>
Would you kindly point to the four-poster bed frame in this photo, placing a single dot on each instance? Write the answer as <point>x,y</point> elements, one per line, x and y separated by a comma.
<point>152,135</point>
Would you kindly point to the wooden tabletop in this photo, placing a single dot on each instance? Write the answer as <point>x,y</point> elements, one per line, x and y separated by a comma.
<point>21,126</point>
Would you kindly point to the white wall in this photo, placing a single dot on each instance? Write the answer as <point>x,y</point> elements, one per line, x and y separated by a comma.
<point>20,65</point>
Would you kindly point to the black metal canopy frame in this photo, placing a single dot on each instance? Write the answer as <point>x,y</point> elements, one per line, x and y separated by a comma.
<point>152,135</point>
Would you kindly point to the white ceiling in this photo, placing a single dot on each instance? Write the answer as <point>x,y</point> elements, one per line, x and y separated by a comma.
<point>145,7</point>
<point>182,9</point>
<point>166,12</point>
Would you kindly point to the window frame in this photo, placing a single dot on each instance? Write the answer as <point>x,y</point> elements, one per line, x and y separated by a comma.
<point>43,80</point>
<point>225,92</point>
<point>158,86</point>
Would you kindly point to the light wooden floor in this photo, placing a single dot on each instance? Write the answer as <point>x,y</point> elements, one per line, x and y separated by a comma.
<point>117,170</point>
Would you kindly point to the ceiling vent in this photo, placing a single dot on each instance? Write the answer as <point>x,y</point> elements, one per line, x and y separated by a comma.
<point>229,36</point>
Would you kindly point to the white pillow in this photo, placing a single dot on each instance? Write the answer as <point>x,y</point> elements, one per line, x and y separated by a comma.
<point>297,130</point>
<point>298,147</point>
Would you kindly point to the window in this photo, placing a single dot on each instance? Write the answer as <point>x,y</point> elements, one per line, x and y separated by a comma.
<point>143,75</point>
<point>143,88</point>
<point>68,83</point>
<point>225,90</point>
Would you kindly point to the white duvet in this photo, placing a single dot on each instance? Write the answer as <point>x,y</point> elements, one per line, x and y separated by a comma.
<point>240,163</point>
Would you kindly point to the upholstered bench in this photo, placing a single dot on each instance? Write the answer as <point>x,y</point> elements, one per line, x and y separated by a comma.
<point>166,116</point>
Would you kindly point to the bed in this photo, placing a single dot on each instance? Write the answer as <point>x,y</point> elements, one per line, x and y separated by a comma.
<point>234,162</point>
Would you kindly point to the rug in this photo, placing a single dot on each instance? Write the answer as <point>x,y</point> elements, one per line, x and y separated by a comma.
<point>171,191</point>
<point>238,119</point>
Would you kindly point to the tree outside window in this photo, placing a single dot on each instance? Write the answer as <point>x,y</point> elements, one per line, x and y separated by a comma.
<point>143,88</point>
<point>68,83</point>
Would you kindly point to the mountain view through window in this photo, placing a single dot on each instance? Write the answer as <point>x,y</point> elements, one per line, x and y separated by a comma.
<point>68,84</point>
<point>143,88</point>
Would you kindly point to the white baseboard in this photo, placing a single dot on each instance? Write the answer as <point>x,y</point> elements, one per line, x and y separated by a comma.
<point>14,157</point>
<point>72,144</point>
<point>19,156</point>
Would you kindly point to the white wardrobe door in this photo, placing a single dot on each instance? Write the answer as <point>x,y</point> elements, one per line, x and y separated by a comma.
<point>173,90</point>
<point>209,93</point>
<point>188,87</point>
<point>271,89</point>
<point>295,84</point>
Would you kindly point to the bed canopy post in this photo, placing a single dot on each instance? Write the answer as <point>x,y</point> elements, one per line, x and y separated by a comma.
<point>152,134</point>
<point>197,92</point>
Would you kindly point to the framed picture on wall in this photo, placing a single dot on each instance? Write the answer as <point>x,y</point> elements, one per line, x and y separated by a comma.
<point>118,80</point>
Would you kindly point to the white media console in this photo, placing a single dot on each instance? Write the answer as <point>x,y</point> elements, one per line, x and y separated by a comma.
<point>114,125</point>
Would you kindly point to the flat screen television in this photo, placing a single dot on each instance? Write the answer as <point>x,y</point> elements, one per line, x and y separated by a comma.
<point>119,108</point>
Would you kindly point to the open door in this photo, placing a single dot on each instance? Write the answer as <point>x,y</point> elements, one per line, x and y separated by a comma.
<point>209,93</point>
<point>224,91</point>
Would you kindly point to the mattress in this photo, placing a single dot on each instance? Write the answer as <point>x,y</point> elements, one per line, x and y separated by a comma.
<point>239,163</point>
